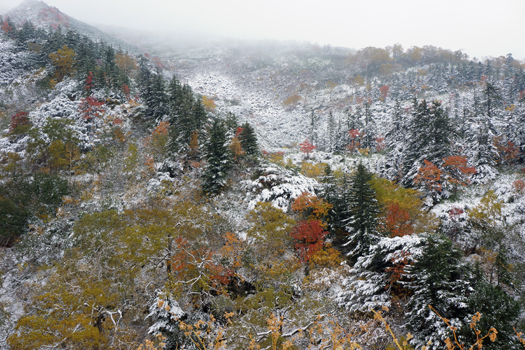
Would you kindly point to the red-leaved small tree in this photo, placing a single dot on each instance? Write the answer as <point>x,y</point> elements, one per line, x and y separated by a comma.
<point>90,85</point>
<point>380,143</point>
<point>18,119</point>
<point>126,90</point>
<point>309,236</point>
<point>457,172</point>
<point>354,140</point>
<point>429,176</point>
<point>384,92</point>
<point>90,108</point>
<point>398,221</point>
<point>7,28</point>
<point>307,147</point>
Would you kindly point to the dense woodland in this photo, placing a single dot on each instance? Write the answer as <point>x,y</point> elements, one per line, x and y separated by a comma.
<point>138,213</point>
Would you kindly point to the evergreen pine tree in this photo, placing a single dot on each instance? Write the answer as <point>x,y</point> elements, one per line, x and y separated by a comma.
<point>396,143</point>
<point>153,93</point>
<point>25,35</point>
<point>249,140</point>
<point>217,159</point>
<point>111,70</point>
<point>441,279</point>
<point>174,99</point>
<point>182,105</point>
<point>515,130</point>
<point>491,98</point>
<point>199,116</point>
<point>145,83</point>
<point>434,146</point>
<point>157,103</point>
<point>368,127</point>
<point>479,147</point>
<point>498,310</point>
<point>336,193</point>
<point>313,127</point>
<point>377,277</point>
<point>364,209</point>
<point>330,131</point>
<point>354,120</point>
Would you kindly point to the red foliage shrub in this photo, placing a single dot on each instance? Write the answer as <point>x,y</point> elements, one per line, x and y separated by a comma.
<point>18,119</point>
<point>309,236</point>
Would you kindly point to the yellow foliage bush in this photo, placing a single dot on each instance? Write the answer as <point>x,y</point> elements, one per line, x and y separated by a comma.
<point>292,100</point>
<point>312,170</point>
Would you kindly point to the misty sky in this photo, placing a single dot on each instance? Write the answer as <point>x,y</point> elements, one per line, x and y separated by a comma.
<point>478,27</point>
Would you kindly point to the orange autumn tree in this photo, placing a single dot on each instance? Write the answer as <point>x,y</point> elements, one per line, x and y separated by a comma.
<point>195,267</point>
<point>90,85</point>
<point>158,139</point>
<point>236,146</point>
<point>194,145</point>
<point>19,122</point>
<point>309,233</point>
<point>384,92</point>
<point>309,238</point>
<point>310,207</point>
<point>380,143</point>
<point>126,63</point>
<point>402,209</point>
<point>456,172</point>
<point>398,221</point>
<point>307,148</point>
<point>232,252</point>
<point>429,177</point>
<point>508,152</point>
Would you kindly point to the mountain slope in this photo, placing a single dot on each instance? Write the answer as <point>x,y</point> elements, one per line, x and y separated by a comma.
<point>104,209</point>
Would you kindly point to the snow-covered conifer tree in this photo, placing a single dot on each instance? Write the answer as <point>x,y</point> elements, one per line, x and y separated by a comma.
<point>364,209</point>
<point>217,158</point>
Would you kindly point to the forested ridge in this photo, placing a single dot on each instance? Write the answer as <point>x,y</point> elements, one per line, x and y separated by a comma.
<point>273,197</point>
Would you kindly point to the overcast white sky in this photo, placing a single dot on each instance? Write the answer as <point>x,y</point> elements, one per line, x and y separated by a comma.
<point>478,27</point>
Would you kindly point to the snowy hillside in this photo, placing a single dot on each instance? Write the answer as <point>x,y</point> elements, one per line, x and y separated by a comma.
<point>256,196</point>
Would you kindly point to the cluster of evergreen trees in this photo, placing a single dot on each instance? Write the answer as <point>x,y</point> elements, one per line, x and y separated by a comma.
<point>191,126</point>
<point>90,57</point>
<point>416,270</point>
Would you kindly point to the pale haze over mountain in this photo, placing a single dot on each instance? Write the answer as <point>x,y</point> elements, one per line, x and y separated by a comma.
<point>479,28</point>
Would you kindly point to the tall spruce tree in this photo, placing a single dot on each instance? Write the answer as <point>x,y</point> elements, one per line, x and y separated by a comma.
<point>429,135</point>
<point>218,160</point>
<point>336,192</point>
<point>368,127</point>
<point>313,127</point>
<point>441,279</point>
<point>364,209</point>
<point>330,132</point>
<point>480,148</point>
<point>182,115</point>
<point>491,98</point>
<point>160,99</point>
<point>396,143</point>
<point>174,99</point>
<point>249,140</point>
<point>499,310</point>
<point>199,116</point>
